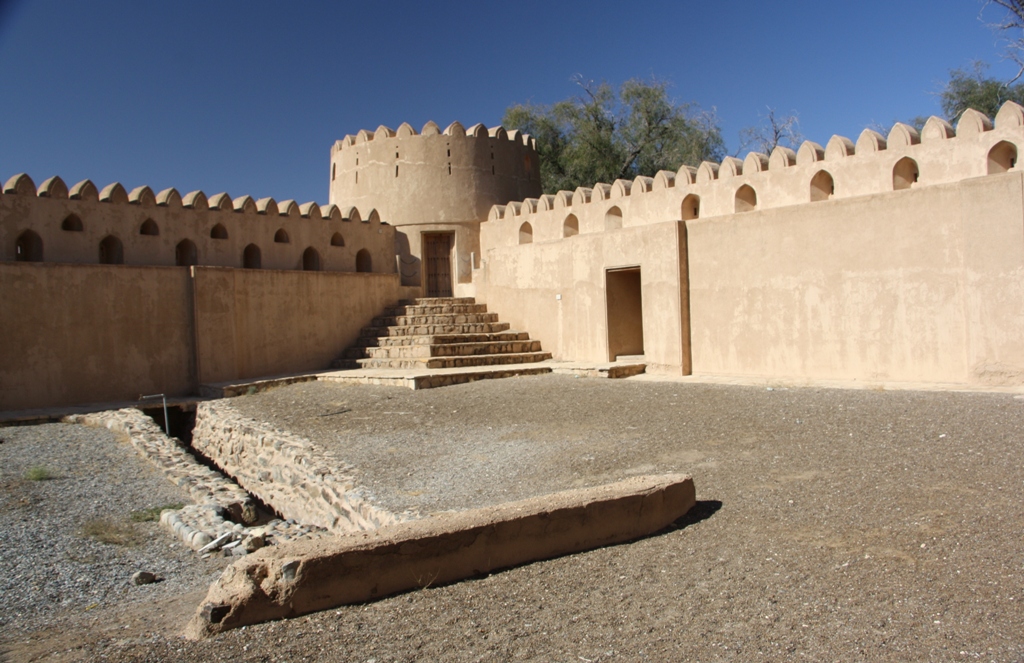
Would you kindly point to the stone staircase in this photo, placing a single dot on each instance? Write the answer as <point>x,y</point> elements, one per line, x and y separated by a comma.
<point>440,333</point>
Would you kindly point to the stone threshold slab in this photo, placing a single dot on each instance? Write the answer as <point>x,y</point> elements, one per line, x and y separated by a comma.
<point>307,576</point>
<point>428,378</point>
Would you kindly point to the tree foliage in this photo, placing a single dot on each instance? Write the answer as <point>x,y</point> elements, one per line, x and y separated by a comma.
<point>971,89</point>
<point>605,134</point>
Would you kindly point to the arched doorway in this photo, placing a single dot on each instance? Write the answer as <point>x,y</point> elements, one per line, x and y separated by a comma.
<point>364,263</point>
<point>186,254</point>
<point>252,258</point>
<point>28,247</point>
<point>111,251</point>
<point>310,260</point>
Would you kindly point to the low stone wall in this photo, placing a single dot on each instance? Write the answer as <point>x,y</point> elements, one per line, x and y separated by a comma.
<point>300,480</point>
<point>197,525</point>
<point>295,579</point>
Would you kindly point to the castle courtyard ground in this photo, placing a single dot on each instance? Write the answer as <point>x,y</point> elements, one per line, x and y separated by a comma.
<point>831,524</point>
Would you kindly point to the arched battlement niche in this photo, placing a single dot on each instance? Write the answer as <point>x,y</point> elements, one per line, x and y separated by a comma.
<point>1002,157</point>
<point>281,236</point>
<point>823,186</point>
<point>252,257</point>
<point>526,233</point>
<point>72,224</point>
<point>746,199</point>
<point>149,228</point>
<point>337,240</point>
<point>373,218</point>
<point>219,232</point>
<point>364,262</point>
<point>613,219</point>
<point>310,260</point>
<point>111,251</point>
<point>904,174</point>
<point>691,207</point>
<point>571,226</point>
<point>186,254</point>
<point>28,247</point>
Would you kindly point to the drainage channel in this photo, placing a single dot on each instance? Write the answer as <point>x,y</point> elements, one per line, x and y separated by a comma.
<point>182,422</point>
<point>223,516</point>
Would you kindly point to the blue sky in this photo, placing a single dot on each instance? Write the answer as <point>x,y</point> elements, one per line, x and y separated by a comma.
<point>247,97</point>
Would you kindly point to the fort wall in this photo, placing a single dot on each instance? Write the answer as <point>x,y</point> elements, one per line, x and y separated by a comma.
<point>874,164</point>
<point>51,223</point>
<point>557,290</point>
<point>77,334</point>
<point>896,258</point>
<point>920,286</point>
<point>434,181</point>
<point>267,322</point>
<point>93,334</point>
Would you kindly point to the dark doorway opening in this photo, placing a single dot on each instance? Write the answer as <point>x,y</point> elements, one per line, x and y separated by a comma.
<point>437,252</point>
<point>625,312</point>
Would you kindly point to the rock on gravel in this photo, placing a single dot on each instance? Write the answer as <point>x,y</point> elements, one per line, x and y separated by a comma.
<point>52,529</point>
<point>830,525</point>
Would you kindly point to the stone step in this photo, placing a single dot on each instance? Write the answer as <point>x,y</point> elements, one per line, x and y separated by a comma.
<point>443,350</point>
<point>452,362</point>
<point>433,380</point>
<point>439,339</point>
<point>443,319</point>
<point>440,309</point>
<point>426,330</point>
<point>436,301</point>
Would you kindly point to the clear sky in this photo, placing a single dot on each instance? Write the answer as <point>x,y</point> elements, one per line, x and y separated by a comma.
<point>248,97</point>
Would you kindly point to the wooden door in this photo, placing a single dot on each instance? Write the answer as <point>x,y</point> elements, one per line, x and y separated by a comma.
<point>437,249</point>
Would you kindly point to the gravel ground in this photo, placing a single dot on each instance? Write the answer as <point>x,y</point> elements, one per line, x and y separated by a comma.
<point>832,525</point>
<point>51,566</point>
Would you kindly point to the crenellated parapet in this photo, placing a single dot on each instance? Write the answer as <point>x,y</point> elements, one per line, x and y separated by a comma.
<point>434,182</point>
<point>452,175</point>
<point>85,224</point>
<point>904,160</point>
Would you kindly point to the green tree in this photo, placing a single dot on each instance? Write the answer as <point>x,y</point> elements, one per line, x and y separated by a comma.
<point>971,89</point>
<point>606,134</point>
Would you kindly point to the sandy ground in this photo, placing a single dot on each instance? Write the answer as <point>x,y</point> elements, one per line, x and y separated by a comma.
<point>832,525</point>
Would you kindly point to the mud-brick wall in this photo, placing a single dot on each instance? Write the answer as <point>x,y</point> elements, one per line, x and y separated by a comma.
<point>78,334</point>
<point>255,323</point>
<point>88,334</point>
<point>925,284</point>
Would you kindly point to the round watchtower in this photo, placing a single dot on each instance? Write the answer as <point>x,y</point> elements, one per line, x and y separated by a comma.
<point>435,187</point>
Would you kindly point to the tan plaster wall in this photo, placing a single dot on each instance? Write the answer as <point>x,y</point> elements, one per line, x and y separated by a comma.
<point>523,282</point>
<point>465,254</point>
<point>92,333</point>
<point>446,181</point>
<point>246,225</point>
<point>254,323</point>
<point>76,334</point>
<point>915,285</point>
<point>858,168</point>
<point>424,191</point>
